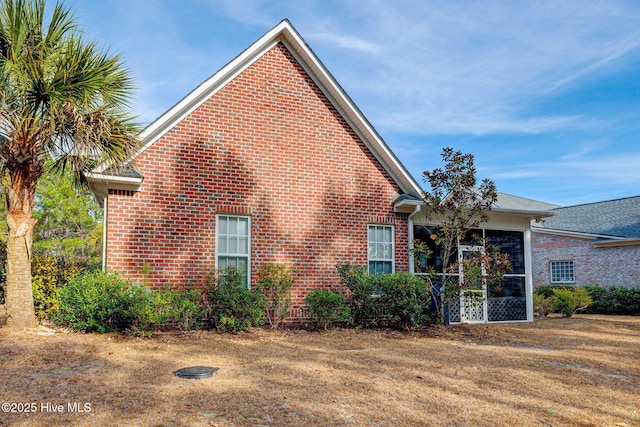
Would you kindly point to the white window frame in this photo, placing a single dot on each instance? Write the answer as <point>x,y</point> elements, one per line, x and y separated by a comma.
<point>393,246</point>
<point>221,217</point>
<point>562,264</point>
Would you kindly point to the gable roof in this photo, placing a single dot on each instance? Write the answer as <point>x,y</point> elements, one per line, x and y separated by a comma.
<point>618,218</point>
<point>284,33</point>
<point>505,203</point>
<point>515,204</point>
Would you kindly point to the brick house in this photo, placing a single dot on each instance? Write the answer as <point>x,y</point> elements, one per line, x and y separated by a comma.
<point>589,244</point>
<point>269,160</point>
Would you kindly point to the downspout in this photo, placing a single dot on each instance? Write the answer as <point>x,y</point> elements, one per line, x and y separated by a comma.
<point>105,221</point>
<point>412,262</point>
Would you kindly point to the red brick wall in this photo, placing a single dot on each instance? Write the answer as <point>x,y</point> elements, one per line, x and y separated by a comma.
<point>269,145</point>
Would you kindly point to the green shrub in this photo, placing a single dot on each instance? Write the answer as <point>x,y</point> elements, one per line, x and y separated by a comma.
<point>100,302</point>
<point>568,301</point>
<point>230,306</point>
<point>547,290</point>
<point>181,308</point>
<point>404,298</point>
<point>541,305</point>
<point>48,277</point>
<point>274,281</point>
<point>614,300</point>
<point>628,300</point>
<point>399,300</point>
<point>326,307</point>
<point>364,300</point>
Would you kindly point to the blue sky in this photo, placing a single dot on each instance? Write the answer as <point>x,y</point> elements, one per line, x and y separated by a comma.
<point>545,94</point>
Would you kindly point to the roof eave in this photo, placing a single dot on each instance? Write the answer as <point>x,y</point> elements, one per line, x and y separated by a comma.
<point>525,213</point>
<point>632,241</point>
<point>100,184</point>
<point>577,234</point>
<point>407,206</point>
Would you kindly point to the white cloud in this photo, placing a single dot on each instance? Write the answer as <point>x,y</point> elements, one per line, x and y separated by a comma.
<point>480,67</point>
<point>343,41</point>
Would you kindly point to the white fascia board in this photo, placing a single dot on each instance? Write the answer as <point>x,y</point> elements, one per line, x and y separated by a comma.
<point>573,234</point>
<point>97,177</point>
<point>100,185</point>
<point>525,213</point>
<point>407,206</point>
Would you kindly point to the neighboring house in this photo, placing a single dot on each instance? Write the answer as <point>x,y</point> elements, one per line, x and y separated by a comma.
<point>269,160</point>
<point>589,244</point>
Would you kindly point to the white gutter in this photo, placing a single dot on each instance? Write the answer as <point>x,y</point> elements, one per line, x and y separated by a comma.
<point>105,219</point>
<point>412,260</point>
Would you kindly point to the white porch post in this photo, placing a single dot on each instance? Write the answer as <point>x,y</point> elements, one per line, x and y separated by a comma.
<point>528,274</point>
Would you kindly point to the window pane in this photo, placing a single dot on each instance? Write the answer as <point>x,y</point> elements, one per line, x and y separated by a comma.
<point>380,267</point>
<point>233,246</point>
<point>562,272</point>
<point>222,225</point>
<point>388,235</point>
<point>222,245</point>
<point>387,251</point>
<point>243,229</point>
<point>386,267</point>
<point>243,245</point>
<point>233,226</point>
<point>379,251</point>
<point>372,267</point>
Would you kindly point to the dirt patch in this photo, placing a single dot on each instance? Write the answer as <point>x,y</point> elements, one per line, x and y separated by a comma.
<point>579,371</point>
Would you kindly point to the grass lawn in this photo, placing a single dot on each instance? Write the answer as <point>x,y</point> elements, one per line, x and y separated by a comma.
<point>554,372</point>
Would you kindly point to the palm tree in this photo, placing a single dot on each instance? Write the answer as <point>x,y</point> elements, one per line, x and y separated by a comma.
<point>63,106</point>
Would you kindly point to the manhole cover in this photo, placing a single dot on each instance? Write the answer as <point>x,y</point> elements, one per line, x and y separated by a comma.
<point>195,372</point>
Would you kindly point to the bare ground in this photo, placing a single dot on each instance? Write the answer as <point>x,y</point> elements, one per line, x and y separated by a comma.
<point>582,371</point>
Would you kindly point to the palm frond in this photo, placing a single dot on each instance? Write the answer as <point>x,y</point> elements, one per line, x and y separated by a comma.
<point>62,99</point>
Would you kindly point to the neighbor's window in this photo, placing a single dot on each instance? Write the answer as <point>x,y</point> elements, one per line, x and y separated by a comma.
<point>562,272</point>
<point>381,249</point>
<point>233,243</point>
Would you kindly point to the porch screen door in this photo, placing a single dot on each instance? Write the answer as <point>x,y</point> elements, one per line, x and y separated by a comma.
<point>473,302</point>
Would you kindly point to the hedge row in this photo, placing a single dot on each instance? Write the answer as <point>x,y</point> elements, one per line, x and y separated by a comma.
<point>613,300</point>
<point>100,302</point>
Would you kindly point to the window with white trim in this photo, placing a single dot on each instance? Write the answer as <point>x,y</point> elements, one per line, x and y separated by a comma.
<point>562,272</point>
<point>381,249</point>
<point>233,243</point>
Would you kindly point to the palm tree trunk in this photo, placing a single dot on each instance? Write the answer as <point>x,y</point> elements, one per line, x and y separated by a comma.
<point>18,292</point>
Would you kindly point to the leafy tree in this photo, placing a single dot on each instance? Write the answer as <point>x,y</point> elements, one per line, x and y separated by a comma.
<point>69,226</point>
<point>458,205</point>
<point>63,106</point>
